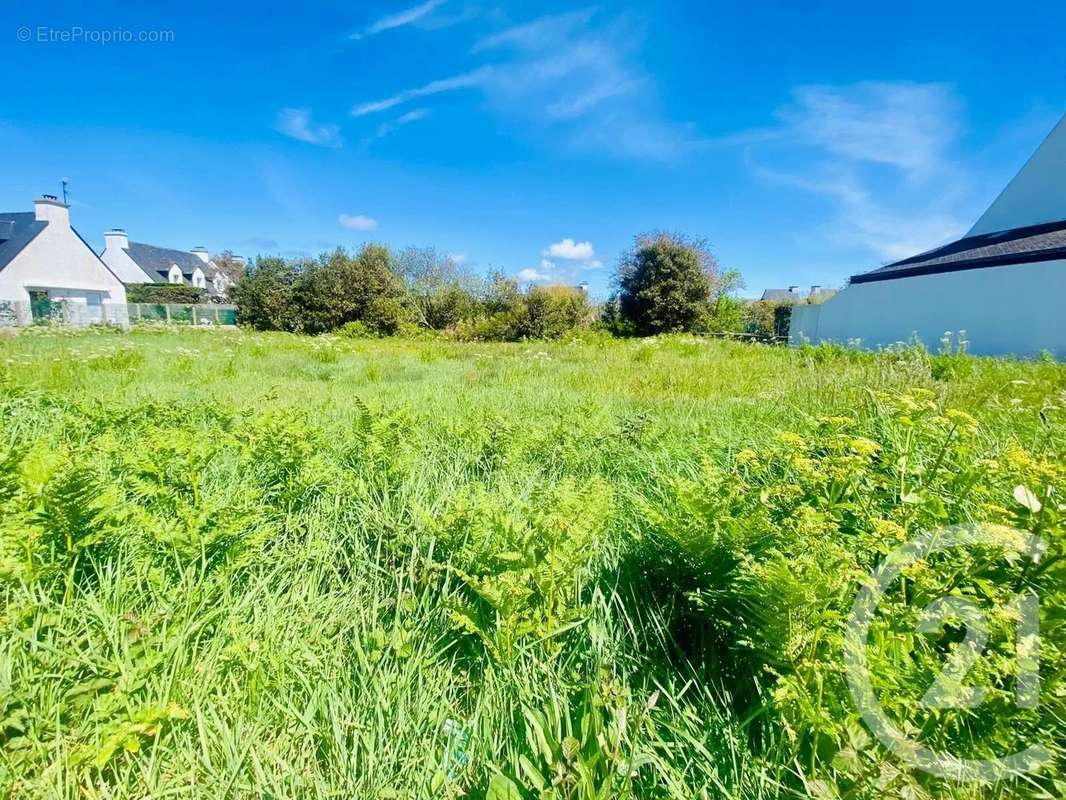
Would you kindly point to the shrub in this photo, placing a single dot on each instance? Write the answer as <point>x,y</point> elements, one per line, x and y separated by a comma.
<point>264,295</point>
<point>321,296</point>
<point>548,312</point>
<point>164,293</point>
<point>541,312</point>
<point>441,294</point>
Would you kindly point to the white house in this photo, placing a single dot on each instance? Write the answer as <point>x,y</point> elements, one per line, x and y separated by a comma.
<point>134,262</point>
<point>1003,284</point>
<point>47,270</point>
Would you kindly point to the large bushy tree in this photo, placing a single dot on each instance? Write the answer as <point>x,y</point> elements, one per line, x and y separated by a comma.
<point>666,283</point>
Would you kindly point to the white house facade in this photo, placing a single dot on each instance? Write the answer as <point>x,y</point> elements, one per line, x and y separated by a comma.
<point>47,269</point>
<point>137,263</point>
<point>1002,286</point>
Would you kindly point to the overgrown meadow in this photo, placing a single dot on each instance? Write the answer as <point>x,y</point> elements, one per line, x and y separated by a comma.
<point>238,565</point>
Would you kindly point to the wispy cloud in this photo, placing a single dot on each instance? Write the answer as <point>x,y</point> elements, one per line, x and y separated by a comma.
<point>466,80</point>
<point>262,243</point>
<point>575,74</point>
<point>387,128</point>
<point>882,152</point>
<point>399,19</point>
<point>296,123</point>
<point>358,222</point>
<point>540,34</point>
<point>904,125</point>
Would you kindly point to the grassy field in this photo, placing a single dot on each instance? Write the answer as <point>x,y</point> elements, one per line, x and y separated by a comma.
<point>252,565</point>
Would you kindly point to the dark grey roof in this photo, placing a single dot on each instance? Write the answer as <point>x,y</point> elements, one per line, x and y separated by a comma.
<point>17,230</point>
<point>157,260</point>
<point>781,296</point>
<point>1046,242</point>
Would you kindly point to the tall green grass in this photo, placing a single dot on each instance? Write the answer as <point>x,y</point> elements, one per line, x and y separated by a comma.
<point>254,565</point>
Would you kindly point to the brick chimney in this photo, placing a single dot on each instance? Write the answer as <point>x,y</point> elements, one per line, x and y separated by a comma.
<point>201,253</point>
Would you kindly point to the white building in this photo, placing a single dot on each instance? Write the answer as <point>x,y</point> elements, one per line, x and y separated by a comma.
<point>47,271</point>
<point>1003,284</point>
<point>139,263</point>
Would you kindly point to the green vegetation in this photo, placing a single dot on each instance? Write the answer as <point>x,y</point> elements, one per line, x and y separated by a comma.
<point>376,292</point>
<point>248,565</point>
<point>666,284</point>
<point>178,293</point>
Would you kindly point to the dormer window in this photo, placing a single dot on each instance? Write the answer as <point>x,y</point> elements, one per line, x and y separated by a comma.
<point>175,274</point>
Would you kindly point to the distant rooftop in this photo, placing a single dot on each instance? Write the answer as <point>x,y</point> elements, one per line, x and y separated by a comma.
<point>156,261</point>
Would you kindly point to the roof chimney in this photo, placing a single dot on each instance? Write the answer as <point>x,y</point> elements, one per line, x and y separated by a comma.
<point>116,238</point>
<point>815,289</point>
<point>793,289</point>
<point>49,209</point>
<point>201,253</point>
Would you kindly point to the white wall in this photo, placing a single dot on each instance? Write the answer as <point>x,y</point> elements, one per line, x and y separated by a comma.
<point>1036,194</point>
<point>61,262</point>
<point>1012,310</point>
<point>116,257</point>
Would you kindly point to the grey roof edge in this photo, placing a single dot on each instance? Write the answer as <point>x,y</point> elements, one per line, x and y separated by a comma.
<point>33,228</point>
<point>926,263</point>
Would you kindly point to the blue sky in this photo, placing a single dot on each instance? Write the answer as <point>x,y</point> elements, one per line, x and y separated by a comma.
<point>804,141</point>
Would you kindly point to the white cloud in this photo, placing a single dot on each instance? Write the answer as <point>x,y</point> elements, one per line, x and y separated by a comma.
<point>387,128</point>
<point>571,250</point>
<point>296,123</point>
<point>882,152</point>
<point>359,222</point>
<point>532,276</point>
<point>576,74</point>
<point>399,19</point>
<point>542,33</point>
<point>901,124</point>
<point>465,81</point>
<point>457,258</point>
<point>570,272</point>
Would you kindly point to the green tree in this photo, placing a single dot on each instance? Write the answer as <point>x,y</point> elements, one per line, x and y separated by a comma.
<point>341,288</point>
<point>440,292</point>
<point>263,295</point>
<point>501,295</point>
<point>666,283</point>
